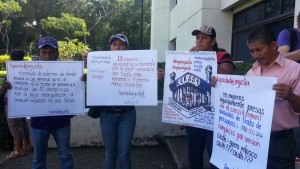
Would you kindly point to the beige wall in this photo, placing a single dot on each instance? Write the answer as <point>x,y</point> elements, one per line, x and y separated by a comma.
<point>177,22</point>
<point>85,131</point>
<point>297,10</point>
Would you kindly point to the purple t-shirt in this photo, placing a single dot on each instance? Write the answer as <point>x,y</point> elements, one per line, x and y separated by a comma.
<point>284,39</point>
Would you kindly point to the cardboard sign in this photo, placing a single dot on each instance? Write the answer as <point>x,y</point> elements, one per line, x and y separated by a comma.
<point>45,88</point>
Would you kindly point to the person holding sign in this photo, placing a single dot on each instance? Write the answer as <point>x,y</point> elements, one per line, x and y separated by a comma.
<point>57,126</point>
<point>288,43</point>
<point>282,147</point>
<point>117,122</point>
<point>197,137</point>
<point>18,126</point>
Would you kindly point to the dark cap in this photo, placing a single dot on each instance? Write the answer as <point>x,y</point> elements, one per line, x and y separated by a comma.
<point>120,36</point>
<point>48,41</point>
<point>205,29</point>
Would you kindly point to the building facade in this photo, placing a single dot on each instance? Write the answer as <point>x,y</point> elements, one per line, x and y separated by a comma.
<point>173,21</point>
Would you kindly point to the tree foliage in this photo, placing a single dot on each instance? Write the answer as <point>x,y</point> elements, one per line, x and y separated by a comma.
<point>8,10</point>
<point>70,48</point>
<point>91,22</point>
<point>72,27</point>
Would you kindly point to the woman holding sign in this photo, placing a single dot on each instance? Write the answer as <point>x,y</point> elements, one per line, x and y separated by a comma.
<point>199,138</point>
<point>117,122</point>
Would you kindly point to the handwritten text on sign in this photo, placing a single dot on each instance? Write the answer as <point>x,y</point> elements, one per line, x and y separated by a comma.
<point>42,88</point>
<point>122,78</point>
<point>187,91</point>
<point>242,127</point>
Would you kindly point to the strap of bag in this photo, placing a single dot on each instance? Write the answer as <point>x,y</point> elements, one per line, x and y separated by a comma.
<point>293,39</point>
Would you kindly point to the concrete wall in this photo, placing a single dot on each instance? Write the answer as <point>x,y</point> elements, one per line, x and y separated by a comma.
<point>150,129</point>
<point>174,23</point>
<point>297,10</point>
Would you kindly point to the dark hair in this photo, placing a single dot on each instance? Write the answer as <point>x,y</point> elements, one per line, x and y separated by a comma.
<point>17,55</point>
<point>262,34</point>
<point>215,47</point>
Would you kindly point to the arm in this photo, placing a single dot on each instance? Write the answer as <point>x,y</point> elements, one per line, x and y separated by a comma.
<point>284,50</point>
<point>285,92</point>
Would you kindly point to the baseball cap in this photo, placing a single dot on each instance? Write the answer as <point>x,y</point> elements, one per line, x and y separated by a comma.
<point>47,41</point>
<point>205,29</point>
<point>120,36</point>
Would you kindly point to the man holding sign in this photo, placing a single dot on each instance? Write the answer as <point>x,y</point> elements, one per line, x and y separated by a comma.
<point>57,126</point>
<point>282,147</point>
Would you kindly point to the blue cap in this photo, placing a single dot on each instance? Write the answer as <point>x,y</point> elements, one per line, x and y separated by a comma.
<point>47,41</point>
<point>120,36</point>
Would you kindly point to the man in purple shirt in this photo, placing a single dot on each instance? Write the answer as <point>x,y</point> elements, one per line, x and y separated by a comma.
<point>284,43</point>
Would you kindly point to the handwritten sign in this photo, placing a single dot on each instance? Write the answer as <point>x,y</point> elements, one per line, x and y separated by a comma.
<point>187,90</point>
<point>244,110</point>
<point>45,88</point>
<point>122,77</point>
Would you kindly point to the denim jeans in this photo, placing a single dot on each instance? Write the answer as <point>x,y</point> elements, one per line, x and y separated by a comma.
<point>197,139</point>
<point>40,138</point>
<point>117,132</point>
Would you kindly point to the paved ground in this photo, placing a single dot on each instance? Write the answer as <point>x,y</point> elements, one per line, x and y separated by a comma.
<point>154,157</point>
<point>170,156</point>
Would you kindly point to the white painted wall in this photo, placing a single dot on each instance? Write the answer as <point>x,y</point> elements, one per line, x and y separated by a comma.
<point>297,10</point>
<point>85,131</point>
<point>183,19</point>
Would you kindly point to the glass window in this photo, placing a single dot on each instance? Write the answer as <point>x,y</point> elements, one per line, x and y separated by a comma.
<point>253,15</point>
<point>271,8</point>
<point>241,51</point>
<point>288,6</point>
<point>240,20</point>
<point>266,12</point>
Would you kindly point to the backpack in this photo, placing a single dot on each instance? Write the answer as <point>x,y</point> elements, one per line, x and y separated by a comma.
<point>294,38</point>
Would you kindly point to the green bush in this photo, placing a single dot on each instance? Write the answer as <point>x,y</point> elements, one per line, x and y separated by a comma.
<point>242,68</point>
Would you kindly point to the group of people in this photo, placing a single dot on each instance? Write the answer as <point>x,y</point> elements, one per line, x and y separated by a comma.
<point>118,122</point>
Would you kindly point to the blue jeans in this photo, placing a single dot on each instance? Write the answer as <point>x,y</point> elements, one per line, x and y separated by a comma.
<point>117,132</point>
<point>40,138</point>
<point>197,139</point>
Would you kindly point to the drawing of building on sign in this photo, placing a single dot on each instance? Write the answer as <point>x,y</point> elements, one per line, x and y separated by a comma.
<point>191,93</point>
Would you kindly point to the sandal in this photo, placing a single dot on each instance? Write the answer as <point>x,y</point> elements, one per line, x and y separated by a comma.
<point>27,148</point>
<point>15,154</point>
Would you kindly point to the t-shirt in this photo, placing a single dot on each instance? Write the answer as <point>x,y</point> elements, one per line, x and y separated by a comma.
<point>224,57</point>
<point>284,39</point>
<point>50,122</point>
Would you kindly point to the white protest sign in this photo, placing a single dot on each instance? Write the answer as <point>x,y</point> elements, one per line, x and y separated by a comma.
<point>45,88</point>
<point>242,127</point>
<point>187,90</point>
<point>124,77</point>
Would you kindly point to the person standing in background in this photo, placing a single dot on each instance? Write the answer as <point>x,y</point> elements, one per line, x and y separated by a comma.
<point>18,127</point>
<point>198,138</point>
